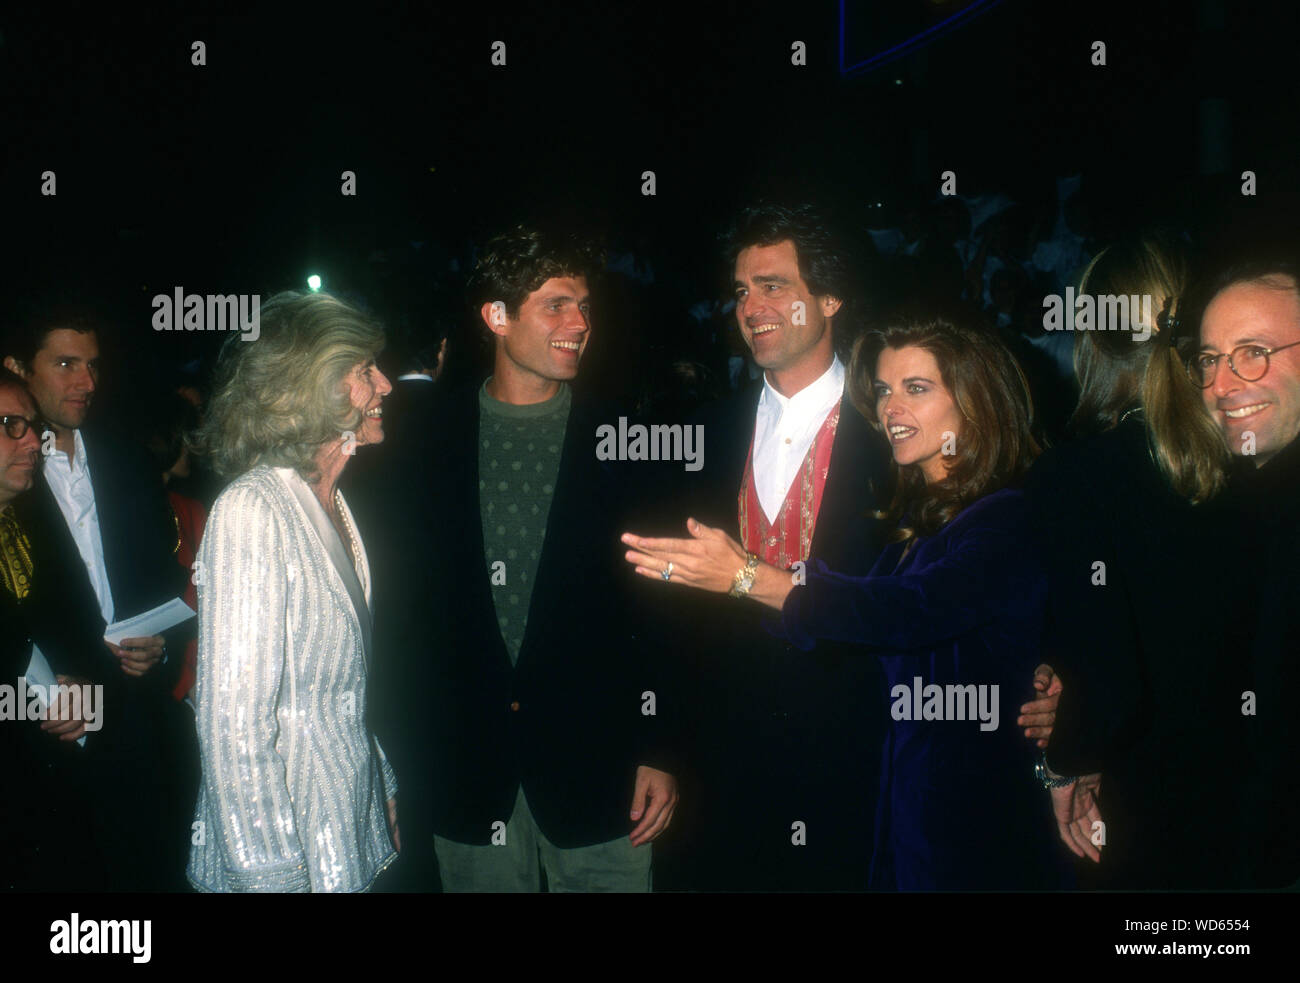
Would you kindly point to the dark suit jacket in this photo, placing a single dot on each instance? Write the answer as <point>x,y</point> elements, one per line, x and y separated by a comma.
<point>145,757</point>
<point>1270,804</point>
<point>44,820</point>
<point>140,536</point>
<point>138,528</point>
<point>1151,662</point>
<point>462,727</point>
<point>778,736</point>
<point>61,615</point>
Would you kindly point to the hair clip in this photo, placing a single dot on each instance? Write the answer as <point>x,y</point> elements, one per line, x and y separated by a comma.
<point>1166,323</point>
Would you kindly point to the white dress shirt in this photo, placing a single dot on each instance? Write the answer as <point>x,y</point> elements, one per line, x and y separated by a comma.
<point>70,483</point>
<point>785,429</point>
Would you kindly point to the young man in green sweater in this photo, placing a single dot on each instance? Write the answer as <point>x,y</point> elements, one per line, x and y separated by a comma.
<point>520,699</point>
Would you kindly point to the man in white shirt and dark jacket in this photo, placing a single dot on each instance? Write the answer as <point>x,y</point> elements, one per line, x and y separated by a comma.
<point>779,790</point>
<point>107,491</point>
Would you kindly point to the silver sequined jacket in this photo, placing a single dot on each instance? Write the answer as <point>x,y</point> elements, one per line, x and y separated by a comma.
<point>294,784</point>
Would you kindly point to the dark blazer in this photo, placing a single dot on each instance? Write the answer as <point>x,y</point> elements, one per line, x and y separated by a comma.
<point>777,736</point>
<point>61,615</point>
<point>1150,662</point>
<point>1270,802</point>
<point>140,536</point>
<point>462,727</point>
<point>45,818</point>
<point>959,807</point>
<point>146,756</point>
<point>138,528</point>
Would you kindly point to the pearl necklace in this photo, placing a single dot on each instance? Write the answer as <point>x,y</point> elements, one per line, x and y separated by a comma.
<point>352,536</point>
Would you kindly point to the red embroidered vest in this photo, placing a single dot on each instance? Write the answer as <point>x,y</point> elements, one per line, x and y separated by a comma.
<point>789,539</point>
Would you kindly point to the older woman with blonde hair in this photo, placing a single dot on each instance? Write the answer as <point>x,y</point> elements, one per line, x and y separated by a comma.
<point>296,793</point>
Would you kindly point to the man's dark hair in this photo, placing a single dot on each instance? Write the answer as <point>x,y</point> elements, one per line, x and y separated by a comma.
<point>27,332</point>
<point>824,258</point>
<point>424,358</point>
<point>414,347</point>
<point>518,262</point>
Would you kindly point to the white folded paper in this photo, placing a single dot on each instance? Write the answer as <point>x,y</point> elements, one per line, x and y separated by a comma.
<point>40,674</point>
<point>153,622</point>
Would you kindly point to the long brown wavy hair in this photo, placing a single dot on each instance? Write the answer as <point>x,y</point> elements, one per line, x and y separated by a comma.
<point>996,445</point>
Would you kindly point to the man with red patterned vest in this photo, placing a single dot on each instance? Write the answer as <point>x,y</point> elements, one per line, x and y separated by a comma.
<point>786,744</point>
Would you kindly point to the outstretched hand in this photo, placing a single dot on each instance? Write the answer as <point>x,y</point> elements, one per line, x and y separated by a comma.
<point>708,560</point>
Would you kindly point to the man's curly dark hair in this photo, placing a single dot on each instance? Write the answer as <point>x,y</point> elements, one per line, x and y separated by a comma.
<point>825,262</point>
<point>519,261</point>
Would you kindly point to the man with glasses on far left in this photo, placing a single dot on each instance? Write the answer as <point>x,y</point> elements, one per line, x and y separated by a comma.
<point>47,615</point>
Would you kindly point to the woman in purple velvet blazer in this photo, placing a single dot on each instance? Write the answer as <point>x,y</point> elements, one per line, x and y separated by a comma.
<point>953,609</point>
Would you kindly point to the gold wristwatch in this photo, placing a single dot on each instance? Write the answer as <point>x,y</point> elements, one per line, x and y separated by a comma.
<point>743,581</point>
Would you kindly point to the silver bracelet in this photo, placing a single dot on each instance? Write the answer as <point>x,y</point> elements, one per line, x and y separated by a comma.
<point>1046,780</point>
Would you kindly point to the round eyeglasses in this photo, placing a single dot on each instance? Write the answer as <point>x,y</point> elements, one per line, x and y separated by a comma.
<point>1248,363</point>
<point>16,426</point>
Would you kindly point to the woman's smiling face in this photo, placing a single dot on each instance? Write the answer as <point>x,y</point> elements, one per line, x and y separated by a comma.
<point>367,387</point>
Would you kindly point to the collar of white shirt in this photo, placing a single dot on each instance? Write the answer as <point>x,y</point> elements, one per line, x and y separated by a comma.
<point>821,395</point>
<point>785,428</point>
<point>78,463</point>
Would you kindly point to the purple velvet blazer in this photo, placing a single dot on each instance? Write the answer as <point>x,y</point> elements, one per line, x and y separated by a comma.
<point>956,625</point>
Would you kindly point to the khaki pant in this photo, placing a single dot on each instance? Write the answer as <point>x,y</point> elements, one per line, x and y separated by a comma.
<point>516,864</point>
